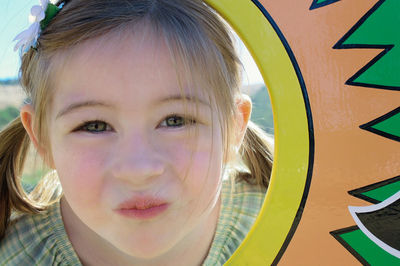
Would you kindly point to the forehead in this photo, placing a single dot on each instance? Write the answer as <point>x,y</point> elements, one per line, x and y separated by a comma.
<point>114,56</point>
<point>134,64</point>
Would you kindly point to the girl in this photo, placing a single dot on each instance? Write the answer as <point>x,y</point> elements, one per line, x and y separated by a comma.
<point>135,105</point>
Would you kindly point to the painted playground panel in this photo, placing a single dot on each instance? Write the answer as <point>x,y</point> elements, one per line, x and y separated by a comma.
<point>331,68</point>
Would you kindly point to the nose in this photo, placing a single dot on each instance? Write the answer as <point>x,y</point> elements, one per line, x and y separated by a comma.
<point>137,161</point>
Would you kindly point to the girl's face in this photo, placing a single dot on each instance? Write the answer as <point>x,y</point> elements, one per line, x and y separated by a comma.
<point>119,141</point>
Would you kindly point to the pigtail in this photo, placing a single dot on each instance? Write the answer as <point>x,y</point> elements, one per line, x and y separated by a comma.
<point>256,154</point>
<point>14,145</point>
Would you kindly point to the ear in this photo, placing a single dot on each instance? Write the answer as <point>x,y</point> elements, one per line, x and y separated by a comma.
<point>27,115</point>
<point>243,106</point>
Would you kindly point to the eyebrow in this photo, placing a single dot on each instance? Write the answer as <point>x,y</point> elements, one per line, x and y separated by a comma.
<point>93,103</point>
<point>188,98</point>
<point>83,104</point>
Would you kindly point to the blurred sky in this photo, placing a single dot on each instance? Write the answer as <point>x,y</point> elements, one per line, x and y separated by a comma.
<point>14,19</point>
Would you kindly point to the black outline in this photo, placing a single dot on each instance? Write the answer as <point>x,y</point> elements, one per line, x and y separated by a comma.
<point>296,67</point>
<point>368,126</point>
<point>336,234</point>
<point>358,192</point>
<point>315,5</point>
<point>386,49</point>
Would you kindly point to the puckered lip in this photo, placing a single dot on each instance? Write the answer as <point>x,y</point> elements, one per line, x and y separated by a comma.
<point>142,207</point>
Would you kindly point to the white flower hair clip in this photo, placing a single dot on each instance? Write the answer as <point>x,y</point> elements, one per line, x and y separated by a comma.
<point>40,17</point>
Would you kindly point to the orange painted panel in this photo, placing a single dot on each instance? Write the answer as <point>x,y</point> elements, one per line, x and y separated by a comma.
<point>346,157</point>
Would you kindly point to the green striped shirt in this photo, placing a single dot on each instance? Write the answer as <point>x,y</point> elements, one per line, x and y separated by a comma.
<point>41,239</point>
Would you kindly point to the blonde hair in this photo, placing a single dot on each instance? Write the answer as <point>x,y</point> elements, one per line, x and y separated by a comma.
<point>194,34</point>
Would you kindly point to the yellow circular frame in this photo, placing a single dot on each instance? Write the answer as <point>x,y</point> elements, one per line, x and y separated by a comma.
<point>293,154</point>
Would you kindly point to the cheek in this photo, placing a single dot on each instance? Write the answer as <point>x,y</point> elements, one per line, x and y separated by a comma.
<point>79,170</point>
<point>199,165</point>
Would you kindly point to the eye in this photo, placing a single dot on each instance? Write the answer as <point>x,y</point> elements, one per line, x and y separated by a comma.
<point>177,121</point>
<point>94,127</point>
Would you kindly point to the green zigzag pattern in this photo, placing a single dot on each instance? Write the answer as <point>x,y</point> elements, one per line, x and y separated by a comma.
<point>369,251</point>
<point>320,3</point>
<point>379,28</point>
<point>357,242</point>
<point>388,125</point>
